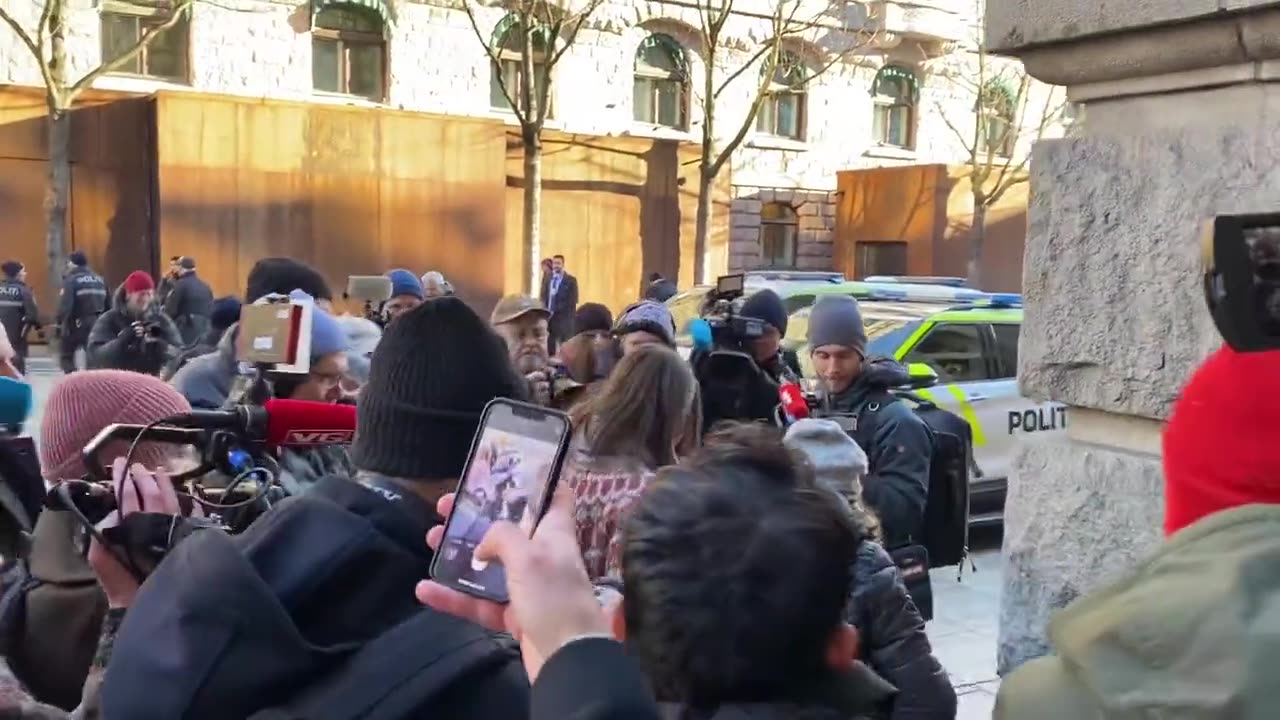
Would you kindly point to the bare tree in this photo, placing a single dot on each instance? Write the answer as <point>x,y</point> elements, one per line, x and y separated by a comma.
<point>539,34</point>
<point>47,43</point>
<point>823,24</point>
<point>1008,118</point>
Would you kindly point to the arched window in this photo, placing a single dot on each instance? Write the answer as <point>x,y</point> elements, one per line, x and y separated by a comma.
<point>894,96</point>
<point>779,228</point>
<point>661,95</point>
<point>997,131</point>
<point>509,45</point>
<point>783,111</point>
<point>349,51</point>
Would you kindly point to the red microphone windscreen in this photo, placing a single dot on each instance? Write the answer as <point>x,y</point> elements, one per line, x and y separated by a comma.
<point>292,423</point>
<point>793,403</point>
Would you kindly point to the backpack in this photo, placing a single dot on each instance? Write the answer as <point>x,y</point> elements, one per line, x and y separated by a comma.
<point>946,511</point>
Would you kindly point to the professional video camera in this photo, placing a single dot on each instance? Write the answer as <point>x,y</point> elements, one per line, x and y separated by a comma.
<point>1241,255</point>
<point>733,386</point>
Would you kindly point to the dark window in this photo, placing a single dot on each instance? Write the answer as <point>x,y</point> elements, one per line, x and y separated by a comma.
<point>1007,347</point>
<point>165,56</point>
<point>508,45</point>
<point>954,351</point>
<point>349,53</point>
<point>894,95</point>
<point>880,258</point>
<point>661,83</point>
<point>782,112</point>
<point>779,228</point>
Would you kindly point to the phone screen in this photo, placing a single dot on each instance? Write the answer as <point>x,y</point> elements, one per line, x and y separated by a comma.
<point>510,475</point>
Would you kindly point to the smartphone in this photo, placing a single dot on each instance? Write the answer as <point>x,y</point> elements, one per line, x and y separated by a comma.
<point>510,475</point>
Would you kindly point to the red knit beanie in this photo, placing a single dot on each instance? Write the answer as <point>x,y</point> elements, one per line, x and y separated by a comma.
<point>84,403</point>
<point>138,281</point>
<point>1220,448</point>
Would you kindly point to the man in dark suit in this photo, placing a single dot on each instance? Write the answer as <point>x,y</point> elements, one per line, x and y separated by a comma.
<point>560,296</point>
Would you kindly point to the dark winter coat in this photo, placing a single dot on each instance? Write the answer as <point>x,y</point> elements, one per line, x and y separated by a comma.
<point>113,343</point>
<point>17,312</point>
<point>858,694</point>
<point>898,445</point>
<point>206,380</point>
<point>189,304</point>
<point>893,641</point>
<point>84,296</point>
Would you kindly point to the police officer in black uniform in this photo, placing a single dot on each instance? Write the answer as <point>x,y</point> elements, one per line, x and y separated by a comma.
<point>18,312</point>
<point>84,297</point>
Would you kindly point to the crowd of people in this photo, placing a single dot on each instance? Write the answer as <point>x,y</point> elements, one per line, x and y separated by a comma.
<point>681,570</point>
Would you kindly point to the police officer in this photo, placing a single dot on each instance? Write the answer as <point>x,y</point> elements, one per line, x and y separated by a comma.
<point>898,444</point>
<point>18,312</point>
<point>84,297</point>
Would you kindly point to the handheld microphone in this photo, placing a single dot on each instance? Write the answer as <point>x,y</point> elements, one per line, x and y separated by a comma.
<point>792,402</point>
<point>280,422</point>
<point>301,423</point>
<point>15,403</point>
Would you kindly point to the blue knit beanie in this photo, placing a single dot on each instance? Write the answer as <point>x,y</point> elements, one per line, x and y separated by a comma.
<point>327,335</point>
<point>404,282</point>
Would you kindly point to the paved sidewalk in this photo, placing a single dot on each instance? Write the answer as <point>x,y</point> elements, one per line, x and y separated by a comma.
<point>963,630</point>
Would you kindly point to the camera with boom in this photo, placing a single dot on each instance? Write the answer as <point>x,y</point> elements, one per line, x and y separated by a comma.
<point>1241,260</point>
<point>734,387</point>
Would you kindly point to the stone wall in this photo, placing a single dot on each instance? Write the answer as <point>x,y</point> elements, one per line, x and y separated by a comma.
<point>815,226</point>
<point>1180,126</point>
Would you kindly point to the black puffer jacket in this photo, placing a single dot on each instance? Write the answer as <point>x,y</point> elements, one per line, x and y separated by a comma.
<point>892,638</point>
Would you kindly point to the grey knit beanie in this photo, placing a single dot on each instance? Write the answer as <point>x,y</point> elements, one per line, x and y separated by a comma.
<point>837,460</point>
<point>836,320</point>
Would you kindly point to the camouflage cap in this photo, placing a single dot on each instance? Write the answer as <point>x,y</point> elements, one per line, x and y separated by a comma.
<point>513,307</point>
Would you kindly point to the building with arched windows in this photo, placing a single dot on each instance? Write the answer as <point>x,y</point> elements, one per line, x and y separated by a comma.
<point>863,85</point>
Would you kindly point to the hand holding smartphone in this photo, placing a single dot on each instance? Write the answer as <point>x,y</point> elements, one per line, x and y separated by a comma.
<point>510,476</point>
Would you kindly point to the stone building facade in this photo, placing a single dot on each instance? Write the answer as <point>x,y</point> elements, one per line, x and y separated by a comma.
<point>901,91</point>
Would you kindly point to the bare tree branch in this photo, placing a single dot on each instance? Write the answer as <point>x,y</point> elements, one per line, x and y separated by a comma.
<point>34,46</point>
<point>495,61</point>
<point>108,65</point>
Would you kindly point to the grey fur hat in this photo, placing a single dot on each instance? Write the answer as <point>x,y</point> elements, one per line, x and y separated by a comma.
<point>837,460</point>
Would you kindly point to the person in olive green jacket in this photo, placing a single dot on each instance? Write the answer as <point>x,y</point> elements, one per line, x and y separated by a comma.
<point>1193,633</point>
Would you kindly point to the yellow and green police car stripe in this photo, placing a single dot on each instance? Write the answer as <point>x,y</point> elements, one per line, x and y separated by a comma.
<point>962,401</point>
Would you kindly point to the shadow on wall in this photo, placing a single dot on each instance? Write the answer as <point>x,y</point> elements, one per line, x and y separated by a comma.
<point>108,215</point>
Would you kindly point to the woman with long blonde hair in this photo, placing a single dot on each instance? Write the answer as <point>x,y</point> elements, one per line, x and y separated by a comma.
<point>646,415</point>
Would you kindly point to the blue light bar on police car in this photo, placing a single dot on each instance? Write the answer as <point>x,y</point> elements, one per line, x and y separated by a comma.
<point>1006,299</point>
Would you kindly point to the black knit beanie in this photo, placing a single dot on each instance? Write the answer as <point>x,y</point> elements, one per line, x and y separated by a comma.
<point>767,306</point>
<point>282,276</point>
<point>592,317</point>
<point>433,372</point>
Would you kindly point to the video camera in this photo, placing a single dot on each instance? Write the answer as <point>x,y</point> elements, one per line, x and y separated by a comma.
<point>1241,257</point>
<point>733,386</point>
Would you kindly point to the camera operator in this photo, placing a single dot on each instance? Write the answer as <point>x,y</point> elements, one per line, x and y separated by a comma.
<point>737,357</point>
<point>68,620</point>
<point>134,334</point>
<point>781,365</point>
<point>522,323</point>
<point>897,442</point>
<point>332,572</point>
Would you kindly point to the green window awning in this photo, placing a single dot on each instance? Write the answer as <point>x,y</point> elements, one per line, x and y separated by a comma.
<point>384,9</point>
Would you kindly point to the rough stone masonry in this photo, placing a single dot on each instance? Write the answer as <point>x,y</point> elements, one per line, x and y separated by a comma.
<point>1181,123</point>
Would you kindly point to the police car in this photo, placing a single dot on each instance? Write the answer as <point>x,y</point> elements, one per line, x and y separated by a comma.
<point>966,357</point>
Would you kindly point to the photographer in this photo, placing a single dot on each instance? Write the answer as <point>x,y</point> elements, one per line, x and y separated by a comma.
<point>134,334</point>
<point>71,605</point>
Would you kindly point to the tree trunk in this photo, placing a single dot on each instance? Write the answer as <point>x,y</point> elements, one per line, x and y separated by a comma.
<point>57,194</point>
<point>977,236</point>
<point>702,225</point>
<point>532,142</point>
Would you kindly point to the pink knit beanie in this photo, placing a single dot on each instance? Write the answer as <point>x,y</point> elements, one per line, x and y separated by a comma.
<point>85,402</point>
